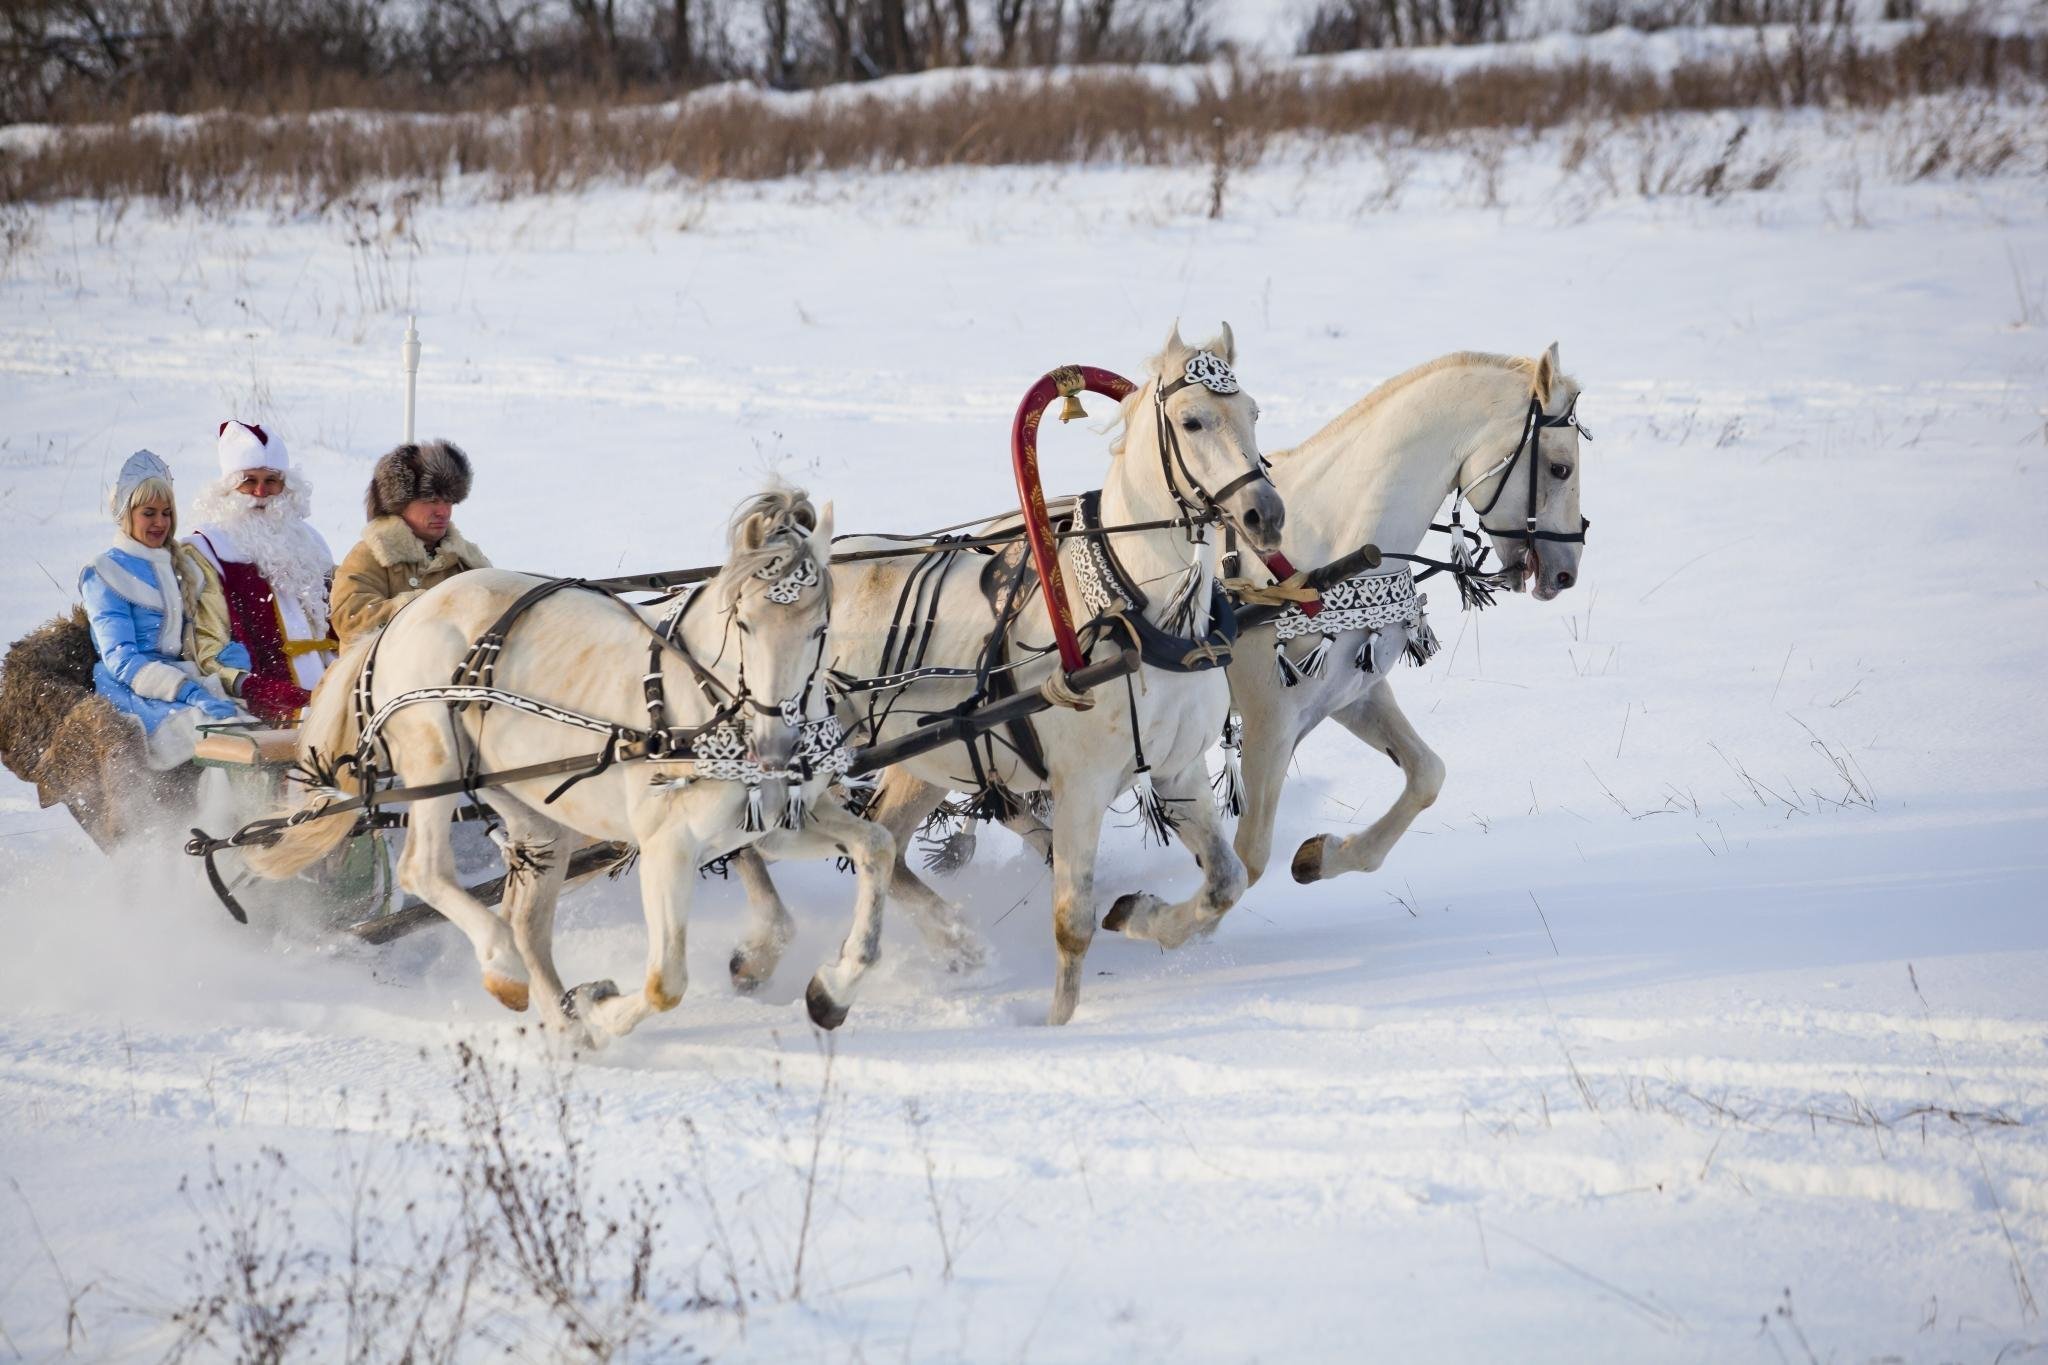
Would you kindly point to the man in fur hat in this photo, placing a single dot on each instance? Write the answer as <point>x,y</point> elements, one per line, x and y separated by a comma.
<point>410,544</point>
<point>273,566</point>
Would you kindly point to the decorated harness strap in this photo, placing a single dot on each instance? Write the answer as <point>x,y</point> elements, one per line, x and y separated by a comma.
<point>1371,602</point>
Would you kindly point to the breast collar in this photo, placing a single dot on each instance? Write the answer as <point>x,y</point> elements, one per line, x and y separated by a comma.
<point>1107,588</point>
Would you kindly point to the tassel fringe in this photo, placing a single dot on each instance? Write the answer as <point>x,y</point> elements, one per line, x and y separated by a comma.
<point>754,819</point>
<point>793,812</point>
<point>1422,642</point>
<point>993,802</point>
<point>1290,673</point>
<point>1316,660</point>
<point>1366,662</point>
<point>1230,782</point>
<point>1153,817</point>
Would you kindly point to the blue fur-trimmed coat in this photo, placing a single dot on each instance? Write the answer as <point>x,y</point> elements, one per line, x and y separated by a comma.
<point>158,622</point>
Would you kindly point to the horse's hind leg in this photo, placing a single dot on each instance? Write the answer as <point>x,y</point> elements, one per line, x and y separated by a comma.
<point>900,806</point>
<point>426,868</point>
<point>1377,719</point>
<point>769,927</point>
<point>1197,825</point>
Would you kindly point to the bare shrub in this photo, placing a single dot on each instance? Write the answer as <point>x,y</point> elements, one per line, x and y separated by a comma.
<point>316,163</point>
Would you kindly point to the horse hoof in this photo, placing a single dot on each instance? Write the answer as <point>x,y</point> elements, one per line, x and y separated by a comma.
<point>825,1012</point>
<point>1308,860</point>
<point>743,981</point>
<point>579,998</point>
<point>507,992</point>
<point>1120,914</point>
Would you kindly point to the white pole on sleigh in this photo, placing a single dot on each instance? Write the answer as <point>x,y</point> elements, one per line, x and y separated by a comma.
<point>409,352</point>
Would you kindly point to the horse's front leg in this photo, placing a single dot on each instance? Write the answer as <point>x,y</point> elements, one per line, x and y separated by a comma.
<point>830,829</point>
<point>1377,719</point>
<point>670,849</point>
<point>426,868</point>
<point>769,926</point>
<point>1272,727</point>
<point>1198,826</point>
<point>535,867</point>
<point>1078,803</point>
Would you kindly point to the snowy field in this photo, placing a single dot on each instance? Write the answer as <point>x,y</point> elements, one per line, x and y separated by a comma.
<point>1705,1018</point>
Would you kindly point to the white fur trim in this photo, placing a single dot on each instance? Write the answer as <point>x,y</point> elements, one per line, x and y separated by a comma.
<point>159,681</point>
<point>240,448</point>
<point>166,597</point>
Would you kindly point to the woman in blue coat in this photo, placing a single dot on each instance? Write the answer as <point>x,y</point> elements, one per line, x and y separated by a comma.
<point>158,619</point>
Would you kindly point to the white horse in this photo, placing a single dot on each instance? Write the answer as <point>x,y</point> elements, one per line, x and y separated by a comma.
<point>1187,430</point>
<point>736,679</point>
<point>1499,431</point>
<point>1378,474</point>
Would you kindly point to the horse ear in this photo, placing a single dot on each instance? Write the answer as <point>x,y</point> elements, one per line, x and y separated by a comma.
<point>1225,345</point>
<point>751,531</point>
<point>1548,368</point>
<point>821,538</point>
<point>1174,345</point>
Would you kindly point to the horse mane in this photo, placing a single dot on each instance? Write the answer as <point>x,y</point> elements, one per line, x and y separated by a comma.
<point>1525,366</point>
<point>789,518</point>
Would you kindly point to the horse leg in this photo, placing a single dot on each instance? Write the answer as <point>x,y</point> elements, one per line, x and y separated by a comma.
<point>426,868</point>
<point>535,867</point>
<point>668,877</point>
<point>1377,719</point>
<point>901,804</point>
<point>832,828</point>
<point>1077,809</point>
<point>1269,740</point>
<point>1197,825</point>
<point>769,926</point>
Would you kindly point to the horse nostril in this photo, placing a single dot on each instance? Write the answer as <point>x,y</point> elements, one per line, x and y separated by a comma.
<point>1564,579</point>
<point>1252,518</point>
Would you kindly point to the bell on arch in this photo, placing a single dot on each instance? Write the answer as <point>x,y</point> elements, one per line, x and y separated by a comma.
<point>1071,408</point>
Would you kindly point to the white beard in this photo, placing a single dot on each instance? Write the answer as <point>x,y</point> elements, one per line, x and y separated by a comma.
<point>272,534</point>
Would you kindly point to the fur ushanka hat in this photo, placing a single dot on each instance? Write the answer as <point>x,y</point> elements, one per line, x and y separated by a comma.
<point>433,470</point>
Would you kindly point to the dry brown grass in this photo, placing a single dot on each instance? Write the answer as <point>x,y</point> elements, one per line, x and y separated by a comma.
<point>314,162</point>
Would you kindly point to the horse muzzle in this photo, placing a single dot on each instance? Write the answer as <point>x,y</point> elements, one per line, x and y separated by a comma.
<point>1260,514</point>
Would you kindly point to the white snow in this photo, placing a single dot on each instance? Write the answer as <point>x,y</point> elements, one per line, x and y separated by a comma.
<point>1616,1051</point>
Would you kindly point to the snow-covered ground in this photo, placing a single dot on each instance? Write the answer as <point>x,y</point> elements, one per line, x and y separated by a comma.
<point>1703,1019</point>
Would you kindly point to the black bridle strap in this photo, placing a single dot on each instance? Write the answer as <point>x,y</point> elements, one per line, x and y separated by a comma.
<point>1534,421</point>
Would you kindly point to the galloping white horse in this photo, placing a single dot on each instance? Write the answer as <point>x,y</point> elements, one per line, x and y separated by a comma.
<point>1187,430</point>
<point>1378,474</point>
<point>736,681</point>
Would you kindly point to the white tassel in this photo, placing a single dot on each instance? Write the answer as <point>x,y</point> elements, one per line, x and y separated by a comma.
<point>1313,662</point>
<point>1289,674</point>
<point>1367,662</point>
<point>1152,813</point>
<point>1461,550</point>
<point>1422,641</point>
<point>754,820</point>
<point>793,804</point>
<point>1230,782</point>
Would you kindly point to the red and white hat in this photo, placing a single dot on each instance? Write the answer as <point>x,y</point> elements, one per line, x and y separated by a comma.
<point>244,445</point>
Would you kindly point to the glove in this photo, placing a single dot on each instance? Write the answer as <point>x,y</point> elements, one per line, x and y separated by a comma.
<point>217,708</point>
<point>274,699</point>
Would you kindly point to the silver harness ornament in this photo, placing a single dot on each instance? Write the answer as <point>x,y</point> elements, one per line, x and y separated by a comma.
<point>1370,602</point>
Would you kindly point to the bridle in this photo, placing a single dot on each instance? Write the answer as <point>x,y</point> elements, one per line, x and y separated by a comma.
<point>1197,504</point>
<point>1535,420</point>
<point>786,586</point>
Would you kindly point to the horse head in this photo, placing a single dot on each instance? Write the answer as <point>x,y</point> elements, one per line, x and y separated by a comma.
<point>1208,448</point>
<point>1532,512</point>
<point>776,589</point>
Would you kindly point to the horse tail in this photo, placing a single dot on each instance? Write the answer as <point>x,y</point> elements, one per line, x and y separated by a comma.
<point>327,735</point>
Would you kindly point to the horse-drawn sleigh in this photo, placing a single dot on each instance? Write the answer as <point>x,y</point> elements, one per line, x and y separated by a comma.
<point>757,693</point>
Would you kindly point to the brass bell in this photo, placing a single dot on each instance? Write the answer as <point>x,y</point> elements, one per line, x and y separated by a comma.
<point>1071,408</point>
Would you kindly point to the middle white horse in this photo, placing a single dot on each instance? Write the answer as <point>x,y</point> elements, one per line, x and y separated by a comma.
<point>917,638</point>
<point>730,683</point>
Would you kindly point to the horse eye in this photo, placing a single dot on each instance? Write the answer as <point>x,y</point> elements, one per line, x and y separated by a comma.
<point>1560,471</point>
<point>1191,424</point>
